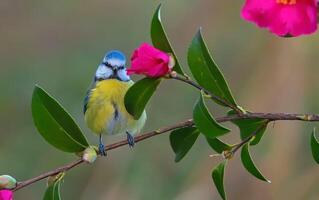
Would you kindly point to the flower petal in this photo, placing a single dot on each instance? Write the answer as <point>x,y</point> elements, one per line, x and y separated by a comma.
<point>295,20</point>
<point>282,19</point>
<point>6,195</point>
<point>258,11</point>
<point>149,61</point>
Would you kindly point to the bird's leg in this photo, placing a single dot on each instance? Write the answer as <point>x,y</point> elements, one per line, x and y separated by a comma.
<point>102,151</point>
<point>130,140</point>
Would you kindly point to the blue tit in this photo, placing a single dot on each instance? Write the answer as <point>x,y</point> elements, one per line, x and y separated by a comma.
<point>104,108</point>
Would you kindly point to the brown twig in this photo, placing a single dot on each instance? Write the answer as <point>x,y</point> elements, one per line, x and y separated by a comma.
<point>187,80</point>
<point>187,123</point>
<point>246,140</point>
<point>115,145</point>
<point>48,174</point>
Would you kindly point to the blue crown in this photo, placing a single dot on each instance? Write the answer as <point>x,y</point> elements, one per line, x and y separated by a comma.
<point>115,56</point>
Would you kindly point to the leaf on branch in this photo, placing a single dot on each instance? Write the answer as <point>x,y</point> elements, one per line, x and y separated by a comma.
<point>160,39</point>
<point>55,124</point>
<point>206,72</point>
<point>218,145</point>
<point>182,141</point>
<point>218,178</point>
<point>205,122</point>
<point>250,165</point>
<point>314,146</point>
<point>139,94</point>
<point>53,190</point>
<point>248,126</point>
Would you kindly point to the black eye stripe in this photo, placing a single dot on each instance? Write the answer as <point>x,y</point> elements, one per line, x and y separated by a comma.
<point>107,64</point>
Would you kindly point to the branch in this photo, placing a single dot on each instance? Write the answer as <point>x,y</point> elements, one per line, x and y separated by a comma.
<point>240,114</point>
<point>48,174</point>
<point>115,145</point>
<point>246,140</point>
<point>187,123</point>
<point>187,80</point>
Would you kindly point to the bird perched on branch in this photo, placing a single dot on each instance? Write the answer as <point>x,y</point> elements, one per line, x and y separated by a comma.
<point>104,108</point>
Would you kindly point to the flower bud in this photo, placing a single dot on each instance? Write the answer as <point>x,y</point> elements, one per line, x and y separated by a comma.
<point>89,155</point>
<point>151,62</point>
<point>6,195</point>
<point>7,182</point>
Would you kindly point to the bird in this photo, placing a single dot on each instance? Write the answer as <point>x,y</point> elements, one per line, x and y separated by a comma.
<point>104,109</point>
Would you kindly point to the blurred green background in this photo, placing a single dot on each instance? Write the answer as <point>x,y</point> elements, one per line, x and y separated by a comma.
<point>58,44</point>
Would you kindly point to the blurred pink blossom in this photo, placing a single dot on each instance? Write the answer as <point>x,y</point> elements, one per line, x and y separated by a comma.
<point>282,17</point>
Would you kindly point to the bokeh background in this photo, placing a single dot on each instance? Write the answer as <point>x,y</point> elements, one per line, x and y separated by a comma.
<point>58,44</point>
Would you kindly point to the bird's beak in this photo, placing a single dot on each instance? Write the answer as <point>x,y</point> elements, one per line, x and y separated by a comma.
<point>114,75</point>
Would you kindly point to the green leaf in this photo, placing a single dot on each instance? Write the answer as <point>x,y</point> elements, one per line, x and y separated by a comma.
<point>218,178</point>
<point>55,125</point>
<point>53,190</point>
<point>160,39</point>
<point>205,122</point>
<point>182,141</point>
<point>206,72</point>
<point>248,126</point>
<point>139,94</point>
<point>249,163</point>
<point>314,146</point>
<point>218,145</point>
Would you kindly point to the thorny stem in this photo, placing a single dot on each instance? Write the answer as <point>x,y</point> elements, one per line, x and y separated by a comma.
<point>187,123</point>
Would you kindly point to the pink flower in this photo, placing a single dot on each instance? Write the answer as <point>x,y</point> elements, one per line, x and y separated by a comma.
<point>6,195</point>
<point>150,61</point>
<point>283,17</point>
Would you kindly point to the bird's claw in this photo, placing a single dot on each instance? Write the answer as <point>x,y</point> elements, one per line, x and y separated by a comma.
<point>102,151</point>
<point>130,140</point>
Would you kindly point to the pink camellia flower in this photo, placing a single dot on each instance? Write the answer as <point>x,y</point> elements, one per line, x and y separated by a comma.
<point>6,195</point>
<point>283,17</point>
<point>150,61</point>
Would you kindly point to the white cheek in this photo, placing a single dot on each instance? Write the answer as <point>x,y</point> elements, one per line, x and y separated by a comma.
<point>103,72</point>
<point>123,75</point>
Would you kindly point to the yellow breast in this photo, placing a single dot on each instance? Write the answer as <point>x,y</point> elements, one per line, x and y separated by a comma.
<point>106,113</point>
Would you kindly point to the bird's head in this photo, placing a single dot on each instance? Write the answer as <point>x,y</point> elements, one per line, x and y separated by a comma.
<point>112,66</point>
